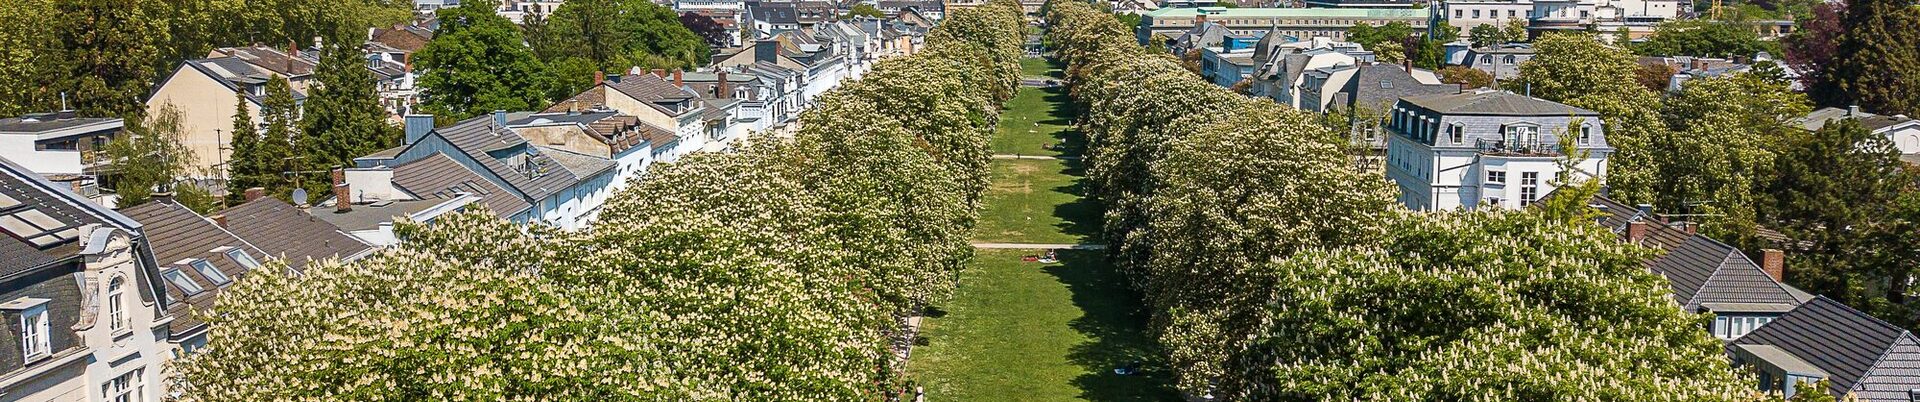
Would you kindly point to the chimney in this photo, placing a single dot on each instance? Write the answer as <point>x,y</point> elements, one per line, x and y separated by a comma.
<point>255,193</point>
<point>163,196</point>
<point>679,77</point>
<point>418,125</point>
<point>599,77</point>
<point>1636,231</point>
<point>342,196</point>
<point>342,202</point>
<point>1774,262</point>
<point>1690,227</point>
<point>1408,64</point>
<point>724,89</point>
<point>500,118</point>
<point>219,219</point>
<point>660,72</point>
<point>1853,110</point>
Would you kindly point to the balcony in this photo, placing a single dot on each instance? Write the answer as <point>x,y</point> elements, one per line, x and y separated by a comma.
<point>1511,147</point>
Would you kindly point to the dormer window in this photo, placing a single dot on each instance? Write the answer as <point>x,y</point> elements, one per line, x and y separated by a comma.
<point>241,257</point>
<point>35,327</point>
<point>257,90</point>
<point>1457,133</point>
<point>207,270</point>
<point>1586,135</point>
<point>1521,133</point>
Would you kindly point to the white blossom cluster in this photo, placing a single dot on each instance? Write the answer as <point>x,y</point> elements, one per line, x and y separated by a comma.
<point>780,272</point>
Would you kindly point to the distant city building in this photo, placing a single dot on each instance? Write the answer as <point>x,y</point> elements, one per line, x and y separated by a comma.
<point>1291,22</point>
<point>1487,147</point>
<point>1639,16</point>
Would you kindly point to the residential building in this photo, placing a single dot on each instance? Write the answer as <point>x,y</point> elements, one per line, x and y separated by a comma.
<point>1283,69</point>
<point>1363,93</point>
<point>518,10</point>
<point>59,143</point>
<point>1226,68</point>
<point>421,190</point>
<point>1502,61</point>
<point>1201,36</point>
<point>81,296</point>
<point>1295,22</point>
<point>1469,14</point>
<point>1487,147</point>
<point>654,100</point>
<point>1860,356</point>
<point>1706,275</point>
<point>204,91</point>
<point>1363,3</point>
<point>1902,131</point>
<point>930,9</point>
<point>821,63</point>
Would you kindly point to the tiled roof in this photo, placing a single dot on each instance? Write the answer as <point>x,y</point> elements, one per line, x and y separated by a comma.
<point>1491,102</point>
<point>178,235</point>
<point>440,177</point>
<point>44,122</point>
<point>581,165</point>
<point>405,38</point>
<point>1839,340</point>
<point>235,74</point>
<point>290,234</point>
<point>276,60</point>
<point>1702,270</point>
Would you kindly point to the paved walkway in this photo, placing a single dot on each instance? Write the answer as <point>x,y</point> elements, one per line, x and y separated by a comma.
<point>1038,246</point>
<point>1040,157</point>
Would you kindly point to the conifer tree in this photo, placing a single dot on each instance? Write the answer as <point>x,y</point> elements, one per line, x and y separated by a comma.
<point>344,118</point>
<point>1878,66</point>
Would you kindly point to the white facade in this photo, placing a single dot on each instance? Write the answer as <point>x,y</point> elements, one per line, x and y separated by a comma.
<point>1469,14</point>
<point>1462,151</point>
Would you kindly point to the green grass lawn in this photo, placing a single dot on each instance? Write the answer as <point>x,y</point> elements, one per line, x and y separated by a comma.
<point>1038,121</point>
<point>1024,331</point>
<point>1037,201</point>
<point>1037,67</point>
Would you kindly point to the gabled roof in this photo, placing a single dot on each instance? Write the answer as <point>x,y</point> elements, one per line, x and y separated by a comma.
<point>438,177</point>
<point>1703,270</point>
<point>278,61</point>
<point>1491,102</point>
<point>235,74</point>
<point>42,221</point>
<point>406,38</point>
<point>290,234</point>
<point>776,13</point>
<point>178,237</point>
<point>1839,340</point>
<point>509,157</point>
<point>1872,122</point>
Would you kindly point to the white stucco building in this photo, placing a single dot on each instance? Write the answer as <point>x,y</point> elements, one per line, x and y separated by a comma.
<point>1487,147</point>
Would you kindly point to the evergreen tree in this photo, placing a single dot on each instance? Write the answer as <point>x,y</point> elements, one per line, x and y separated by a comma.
<point>245,139</point>
<point>1878,65</point>
<point>1842,196</point>
<point>344,118</point>
<point>477,63</point>
<point>270,159</point>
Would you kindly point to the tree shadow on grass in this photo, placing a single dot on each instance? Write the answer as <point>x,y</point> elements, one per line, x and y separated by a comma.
<point>1080,218</point>
<point>1070,140</point>
<point>1116,328</point>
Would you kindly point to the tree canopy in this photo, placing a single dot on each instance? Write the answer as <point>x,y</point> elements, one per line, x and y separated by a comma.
<point>477,63</point>
<point>1705,38</point>
<point>620,34</point>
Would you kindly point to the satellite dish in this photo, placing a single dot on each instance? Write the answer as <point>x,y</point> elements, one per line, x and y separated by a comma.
<point>299,196</point>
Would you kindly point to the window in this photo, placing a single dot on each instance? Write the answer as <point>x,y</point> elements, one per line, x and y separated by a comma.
<point>212,274</point>
<point>1529,187</point>
<point>1509,60</point>
<point>125,388</point>
<point>1497,176</point>
<point>1510,14</point>
<point>241,257</point>
<point>1476,14</point>
<point>180,280</point>
<point>1520,134</point>
<point>1384,84</point>
<point>1457,133</point>
<point>1732,327</point>
<point>1459,13</point>
<point>1586,135</point>
<point>34,344</point>
<point>1486,59</point>
<point>116,304</point>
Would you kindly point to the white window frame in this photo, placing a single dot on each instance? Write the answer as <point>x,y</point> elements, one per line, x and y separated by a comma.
<point>35,342</point>
<point>117,305</point>
<point>1529,188</point>
<point>1501,176</point>
<point>180,280</point>
<point>127,387</point>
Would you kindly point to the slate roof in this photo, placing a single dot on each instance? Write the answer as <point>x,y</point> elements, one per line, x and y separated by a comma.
<point>290,234</point>
<point>777,13</point>
<point>276,60</point>
<point>1839,340</point>
<point>1491,102</point>
<point>440,177</point>
<point>177,235</point>
<point>530,173</point>
<point>647,88</point>
<point>581,165</point>
<point>40,227</point>
<point>235,74</point>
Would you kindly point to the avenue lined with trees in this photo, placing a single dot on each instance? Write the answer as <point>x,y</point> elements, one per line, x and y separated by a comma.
<point>1273,270</point>
<point>781,271</point>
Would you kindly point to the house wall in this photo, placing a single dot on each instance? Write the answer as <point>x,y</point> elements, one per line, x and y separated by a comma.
<point>1497,64</point>
<point>565,136</point>
<point>1906,138</point>
<point>1469,14</point>
<point>20,149</point>
<point>627,105</point>
<point>142,346</point>
<point>1452,175</point>
<point>206,118</point>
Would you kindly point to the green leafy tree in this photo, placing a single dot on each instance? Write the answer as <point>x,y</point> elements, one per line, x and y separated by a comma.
<point>148,156</point>
<point>1515,30</point>
<point>1875,68</point>
<point>1580,71</point>
<point>476,63</point>
<point>1724,133</point>
<point>344,118</point>
<point>708,29</point>
<point>1485,35</point>
<point>864,10</point>
<point>620,34</point>
<point>27,42</point>
<point>110,48</point>
<point>1704,38</point>
<point>1472,77</point>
